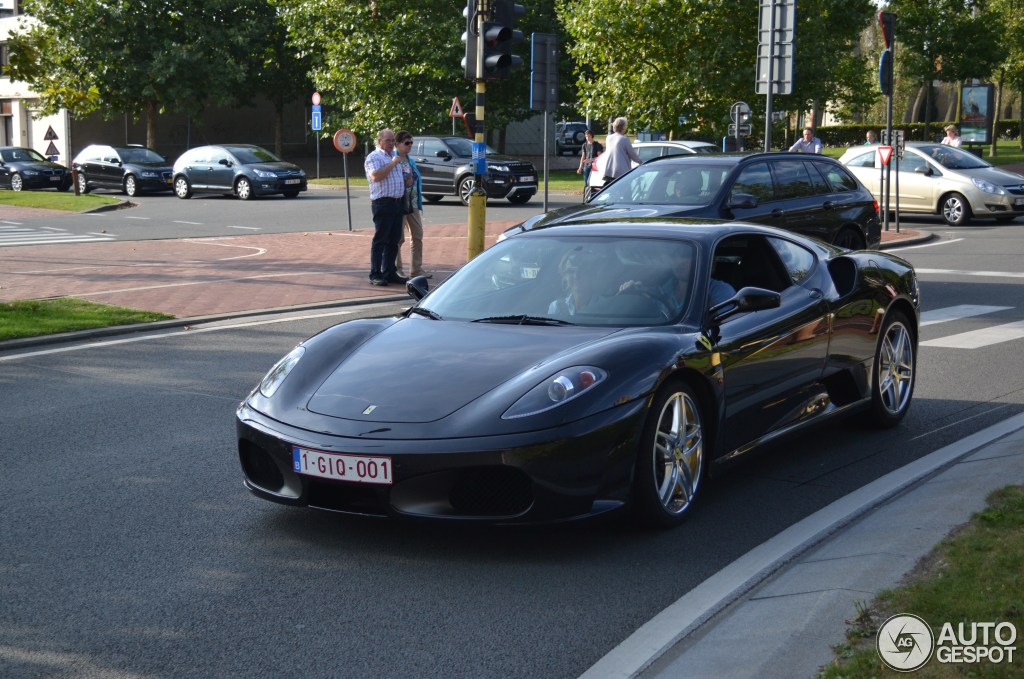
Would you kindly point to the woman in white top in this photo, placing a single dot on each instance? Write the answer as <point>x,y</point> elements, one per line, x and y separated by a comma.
<point>952,136</point>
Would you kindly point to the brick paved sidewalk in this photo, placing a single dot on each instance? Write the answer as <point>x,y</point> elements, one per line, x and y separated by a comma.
<point>195,277</point>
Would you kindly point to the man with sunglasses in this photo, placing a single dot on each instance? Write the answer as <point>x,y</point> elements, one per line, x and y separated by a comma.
<point>413,214</point>
<point>387,187</point>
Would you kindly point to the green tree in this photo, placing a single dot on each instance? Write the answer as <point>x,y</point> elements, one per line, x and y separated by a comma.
<point>138,58</point>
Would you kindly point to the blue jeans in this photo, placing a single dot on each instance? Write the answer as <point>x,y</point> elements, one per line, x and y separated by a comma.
<point>387,234</point>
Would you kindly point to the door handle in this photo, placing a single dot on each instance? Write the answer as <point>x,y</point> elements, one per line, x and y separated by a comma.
<point>777,212</point>
<point>828,205</point>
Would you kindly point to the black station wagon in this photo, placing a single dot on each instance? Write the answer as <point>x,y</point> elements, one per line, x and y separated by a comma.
<point>808,194</point>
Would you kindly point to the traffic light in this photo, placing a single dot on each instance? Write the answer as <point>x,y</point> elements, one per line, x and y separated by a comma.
<point>885,67</point>
<point>499,37</point>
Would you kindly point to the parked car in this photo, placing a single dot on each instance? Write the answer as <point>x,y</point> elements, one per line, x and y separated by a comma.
<point>935,179</point>
<point>569,137</point>
<point>578,393</point>
<point>130,168</point>
<point>657,149</point>
<point>446,166</point>
<point>25,168</point>
<point>647,150</point>
<point>808,194</point>
<point>241,170</point>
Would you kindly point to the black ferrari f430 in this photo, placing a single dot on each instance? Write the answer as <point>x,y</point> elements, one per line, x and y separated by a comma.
<point>573,370</point>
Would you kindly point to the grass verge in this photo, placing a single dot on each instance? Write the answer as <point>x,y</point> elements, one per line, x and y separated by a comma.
<point>56,200</point>
<point>558,180</point>
<point>974,575</point>
<point>33,318</point>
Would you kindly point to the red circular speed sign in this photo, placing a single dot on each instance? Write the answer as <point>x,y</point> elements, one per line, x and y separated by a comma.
<point>316,99</point>
<point>344,140</point>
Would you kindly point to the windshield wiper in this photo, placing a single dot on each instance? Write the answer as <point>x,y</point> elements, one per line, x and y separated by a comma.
<point>423,311</point>
<point>522,319</point>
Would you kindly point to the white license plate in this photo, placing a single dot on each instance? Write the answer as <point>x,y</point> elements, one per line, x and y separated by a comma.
<point>527,178</point>
<point>292,181</point>
<point>356,468</point>
<point>55,179</point>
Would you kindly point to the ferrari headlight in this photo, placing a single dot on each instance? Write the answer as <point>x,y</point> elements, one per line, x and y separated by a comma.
<point>273,379</point>
<point>556,390</point>
<point>988,187</point>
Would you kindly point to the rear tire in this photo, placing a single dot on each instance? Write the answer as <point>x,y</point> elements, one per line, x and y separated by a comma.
<point>849,239</point>
<point>893,372</point>
<point>83,183</point>
<point>671,458</point>
<point>466,187</point>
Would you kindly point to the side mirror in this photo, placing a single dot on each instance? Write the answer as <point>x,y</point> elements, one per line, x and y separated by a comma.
<point>417,287</point>
<point>743,200</point>
<point>442,154</point>
<point>747,299</point>
<point>925,170</point>
<point>225,162</point>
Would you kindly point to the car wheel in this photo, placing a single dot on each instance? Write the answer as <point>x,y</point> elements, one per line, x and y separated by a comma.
<point>17,184</point>
<point>243,188</point>
<point>182,188</point>
<point>131,187</point>
<point>671,460</point>
<point>466,187</point>
<point>520,198</point>
<point>588,193</point>
<point>578,137</point>
<point>83,183</point>
<point>893,373</point>
<point>956,210</point>
<point>432,198</point>
<point>291,194</point>
<point>849,239</point>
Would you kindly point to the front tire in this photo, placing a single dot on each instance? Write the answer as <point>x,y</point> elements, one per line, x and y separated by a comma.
<point>432,197</point>
<point>17,183</point>
<point>894,371</point>
<point>131,186</point>
<point>671,459</point>
<point>466,187</point>
<point>182,189</point>
<point>956,211</point>
<point>520,199</point>
<point>243,188</point>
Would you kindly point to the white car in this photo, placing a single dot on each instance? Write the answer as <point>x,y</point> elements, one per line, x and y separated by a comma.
<point>943,180</point>
<point>647,150</point>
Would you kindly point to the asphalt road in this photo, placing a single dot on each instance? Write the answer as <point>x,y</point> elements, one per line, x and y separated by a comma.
<point>130,548</point>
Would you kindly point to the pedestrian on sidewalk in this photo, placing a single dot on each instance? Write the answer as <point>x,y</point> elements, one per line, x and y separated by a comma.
<point>591,149</point>
<point>412,206</point>
<point>387,188</point>
<point>621,154</point>
<point>952,137</point>
<point>809,144</point>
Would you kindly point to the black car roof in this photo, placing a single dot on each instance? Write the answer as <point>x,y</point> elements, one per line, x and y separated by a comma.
<point>697,229</point>
<point>737,158</point>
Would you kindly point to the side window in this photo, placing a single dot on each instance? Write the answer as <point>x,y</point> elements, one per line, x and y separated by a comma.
<point>94,154</point>
<point>912,163</point>
<point>431,147</point>
<point>756,180</point>
<point>864,160</point>
<point>816,170</point>
<point>798,261</point>
<point>839,178</point>
<point>200,155</point>
<point>791,179</point>
<point>218,156</point>
<point>747,260</point>
<point>648,152</point>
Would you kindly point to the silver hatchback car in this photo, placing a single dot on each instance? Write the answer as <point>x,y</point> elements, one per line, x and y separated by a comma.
<point>943,180</point>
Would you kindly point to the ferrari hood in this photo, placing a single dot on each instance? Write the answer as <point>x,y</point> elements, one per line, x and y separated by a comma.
<point>418,370</point>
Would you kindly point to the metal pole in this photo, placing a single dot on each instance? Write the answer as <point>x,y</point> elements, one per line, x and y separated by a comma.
<point>478,197</point>
<point>771,82</point>
<point>546,162</point>
<point>348,195</point>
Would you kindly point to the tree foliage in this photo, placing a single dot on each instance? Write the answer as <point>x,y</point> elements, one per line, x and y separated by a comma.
<point>138,57</point>
<point>658,60</point>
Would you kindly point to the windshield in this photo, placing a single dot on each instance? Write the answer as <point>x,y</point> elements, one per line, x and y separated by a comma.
<point>464,147</point>
<point>666,183</point>
<point>140,155</point>
<point>16,154</point>
<point>952,157</point>
<point>253,154</point>
<point>602,281</point>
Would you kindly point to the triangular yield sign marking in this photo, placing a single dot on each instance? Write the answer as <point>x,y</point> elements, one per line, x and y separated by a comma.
<point>884,154</point>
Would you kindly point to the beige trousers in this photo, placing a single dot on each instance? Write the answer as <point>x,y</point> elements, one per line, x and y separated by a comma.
<point>414,223</point>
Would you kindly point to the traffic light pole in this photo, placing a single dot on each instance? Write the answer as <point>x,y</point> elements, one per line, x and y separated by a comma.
<point>478,197</point>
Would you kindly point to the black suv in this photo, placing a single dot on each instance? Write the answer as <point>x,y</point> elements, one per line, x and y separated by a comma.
<point>131,169</point>
<point>809,194</point>
<point>569,137</point>
<point>446,165</point>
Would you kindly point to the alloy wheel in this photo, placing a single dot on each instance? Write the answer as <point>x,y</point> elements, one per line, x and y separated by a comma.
<point>678,453</point>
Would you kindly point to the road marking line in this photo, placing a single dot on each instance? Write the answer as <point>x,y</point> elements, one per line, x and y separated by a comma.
<point>925,245</point>
<point>954,271</point>
<point>145,219</point>
<point>7,221</point>
<point>954,313</point>
<point>93,233</point>
<point>192,223</point>
<point>250,228</point>
<point>975,339</point>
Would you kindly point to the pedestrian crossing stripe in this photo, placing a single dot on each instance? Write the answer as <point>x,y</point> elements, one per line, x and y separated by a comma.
<point>12,234</point>
<point>972,339</point>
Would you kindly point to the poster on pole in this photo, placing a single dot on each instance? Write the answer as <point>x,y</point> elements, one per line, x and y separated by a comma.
<point>976,114</point>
